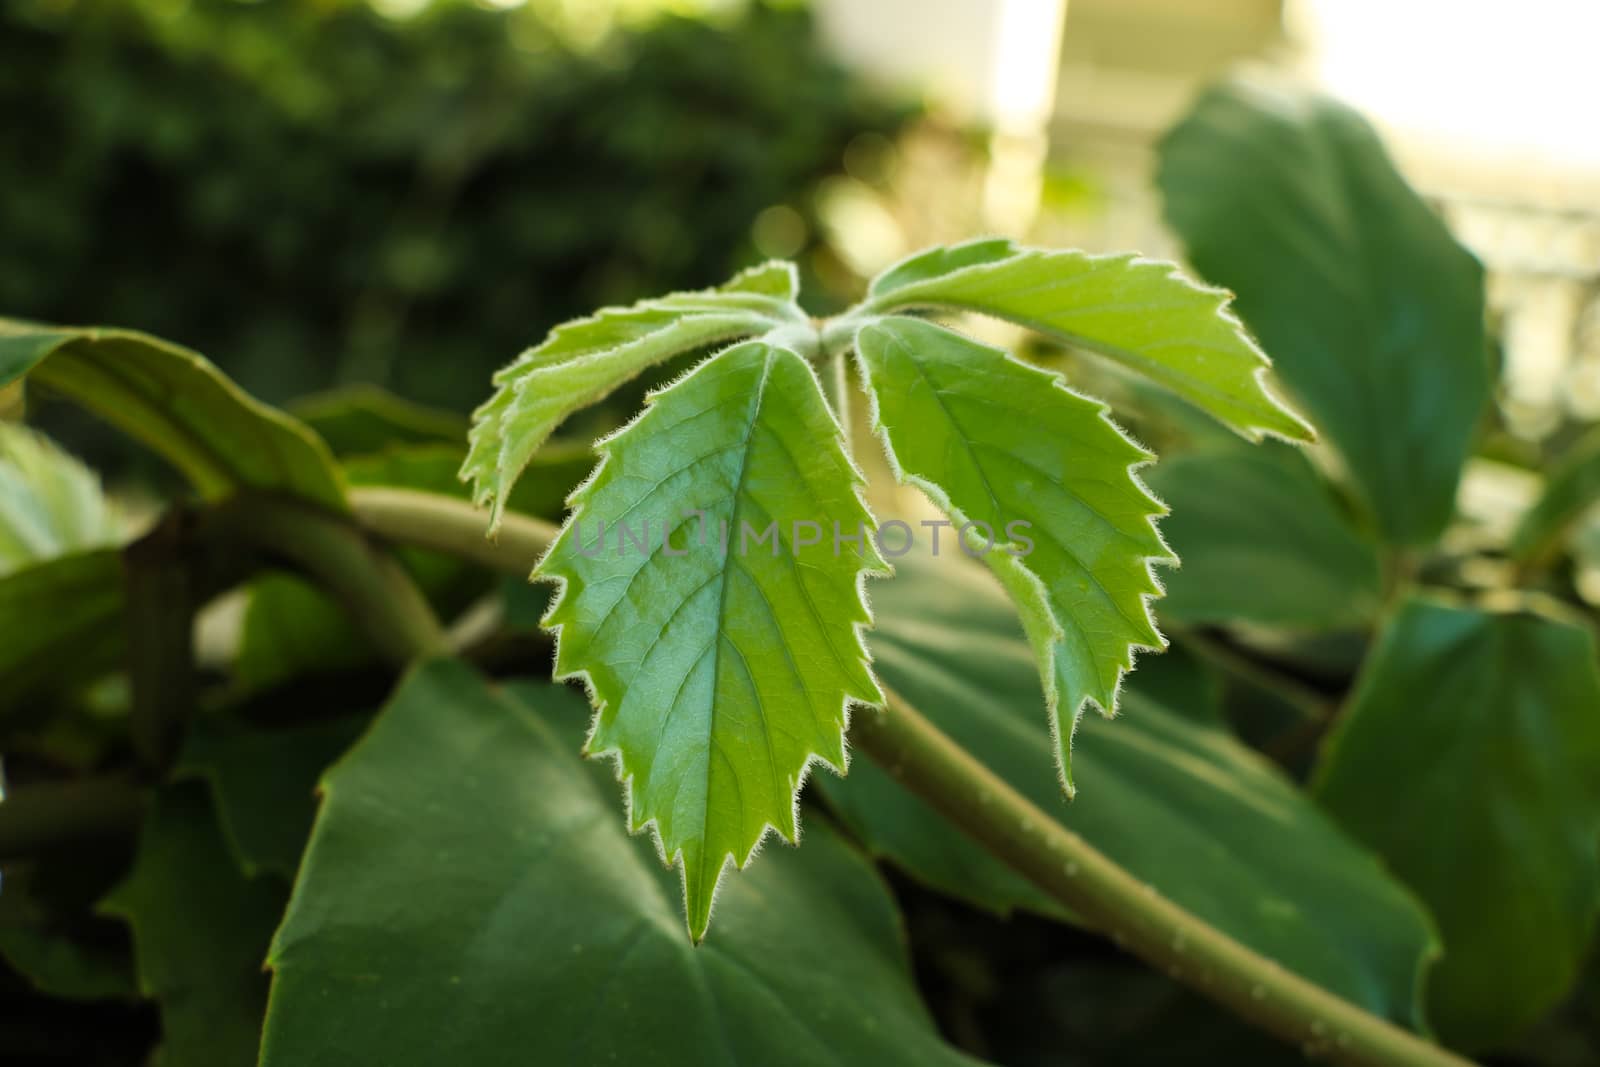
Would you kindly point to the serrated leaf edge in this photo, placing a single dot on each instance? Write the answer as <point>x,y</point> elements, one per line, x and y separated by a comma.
<point>1020,572</point>
<point>581,675</point>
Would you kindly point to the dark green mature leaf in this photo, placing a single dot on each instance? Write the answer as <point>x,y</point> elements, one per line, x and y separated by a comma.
<point>720,666</point>
<point>1182,804</point>
<point>60,951</point>
<point>200,933</point>
<point>1262,540</point>
<point>1138,312</point>
<point>470,897</point>
<point>176,403</point>
<point>79,638</point>
<point>1470,759</point>
<point>263,784</point>
<point>1571,490</point>
<point>357,419</point>
<point>1048,479</point>
<point>583,361</point>
<point>1372,312</point>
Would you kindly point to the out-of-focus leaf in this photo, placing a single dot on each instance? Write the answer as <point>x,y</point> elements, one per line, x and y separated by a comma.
<point>356,419</point>
<point>200,933</point>
<point>50,504</point>
<point>1372,313</point>
<point>1141,313</point>
<point>263,783</point>
<point>176,403</point>
<point>1261,540</point>
<point>61,953</point>
<point>1571,490</point>
<point>719,669</point>
<point>1469,757</point>
<point>1050,480</point>
<point>471,896</point>
<point>550,476</point>
<point>291,627</point>
<point>63,626</point>
<point>1181,804</point>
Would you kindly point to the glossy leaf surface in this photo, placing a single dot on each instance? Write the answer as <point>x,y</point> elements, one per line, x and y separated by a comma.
<point>581,362</point>
<point>544,933</point>
<point>1140,313</point>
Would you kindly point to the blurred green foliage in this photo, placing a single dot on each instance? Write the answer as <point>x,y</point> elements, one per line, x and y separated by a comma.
<point>312,193</point>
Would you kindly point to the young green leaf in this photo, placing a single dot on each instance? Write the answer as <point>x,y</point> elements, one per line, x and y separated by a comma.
<point>1180,803</point>
<point>178,404</point>
<point>1469,758</point>
<point>1139,312</point>
<point>469,897</point>
<point>711,609</point>
<point>583,361</point>
<point>1373,312</point>
<point>1006,449</point>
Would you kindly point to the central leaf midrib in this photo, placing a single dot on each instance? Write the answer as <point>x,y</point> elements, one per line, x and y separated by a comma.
<point>722,609</point>
<point>999,511</point>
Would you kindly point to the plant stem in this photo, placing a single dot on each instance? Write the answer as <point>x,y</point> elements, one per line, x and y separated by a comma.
<point>446,524</point>
<point>1010,827</point>
<point>375,590</point>
<point>432,520</point>
<point>33,817</point>
<point>1133,913</point>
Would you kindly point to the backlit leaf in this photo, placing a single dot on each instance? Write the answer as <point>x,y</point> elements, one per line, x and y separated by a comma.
<point>720,668</point>
<point>1050,479</point>
<point>1141,313</point>
<point>583,361</point>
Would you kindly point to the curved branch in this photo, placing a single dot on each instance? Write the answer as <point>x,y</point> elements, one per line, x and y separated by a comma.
<point>1008,825</point>
<point>432,520</point>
